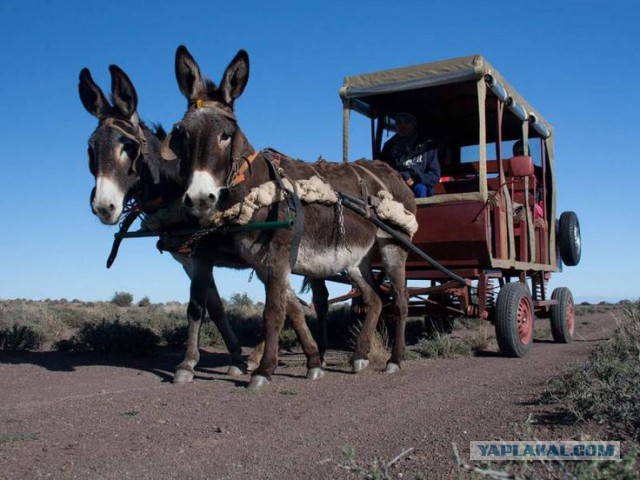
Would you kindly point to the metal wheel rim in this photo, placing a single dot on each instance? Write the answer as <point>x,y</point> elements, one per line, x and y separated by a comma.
<point>576,236</point>
<point>525,322</point>
<point>570,317</point>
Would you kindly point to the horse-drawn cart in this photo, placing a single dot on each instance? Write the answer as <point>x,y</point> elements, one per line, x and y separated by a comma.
<point>492,219</point>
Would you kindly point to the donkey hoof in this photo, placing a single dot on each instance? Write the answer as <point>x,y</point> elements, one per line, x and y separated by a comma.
<point>359,365</point>
<point>257,383</point>
<point>235,371</point>
<point>392,368</point>
<point>251,365</point>
<point>183,376</point>
<point>315,373</point>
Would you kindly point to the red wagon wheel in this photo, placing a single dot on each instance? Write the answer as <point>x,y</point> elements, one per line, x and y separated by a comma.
<point>525,321</point>
<point>514,320</point>
<point>562,315</point>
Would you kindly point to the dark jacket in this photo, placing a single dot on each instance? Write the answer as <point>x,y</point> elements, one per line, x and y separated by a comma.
<point>420,162</point>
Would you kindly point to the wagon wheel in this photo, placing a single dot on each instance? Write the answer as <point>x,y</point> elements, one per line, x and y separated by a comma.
<point>569,239</point>
<point>562,315</point>
<point>514,320</point>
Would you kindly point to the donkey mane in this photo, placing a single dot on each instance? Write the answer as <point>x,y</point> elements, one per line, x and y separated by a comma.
<point>158,130</point>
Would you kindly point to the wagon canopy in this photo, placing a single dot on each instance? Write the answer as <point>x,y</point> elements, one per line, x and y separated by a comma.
<point>449,93</point>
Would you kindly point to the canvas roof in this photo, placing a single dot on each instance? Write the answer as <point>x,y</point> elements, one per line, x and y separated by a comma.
<point>443,95</point>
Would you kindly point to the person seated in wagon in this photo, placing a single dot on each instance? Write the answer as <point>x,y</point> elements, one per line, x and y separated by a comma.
<point>416,159</point>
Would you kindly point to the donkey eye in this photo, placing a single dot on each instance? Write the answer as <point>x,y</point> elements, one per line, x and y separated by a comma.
<point>131,149</point>
<point>225,137</point>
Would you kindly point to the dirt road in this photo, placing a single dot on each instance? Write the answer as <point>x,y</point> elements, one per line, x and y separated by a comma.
<point>67,416</point>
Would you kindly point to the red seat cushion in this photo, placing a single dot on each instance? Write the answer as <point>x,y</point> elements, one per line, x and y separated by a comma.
<point>521,166</point>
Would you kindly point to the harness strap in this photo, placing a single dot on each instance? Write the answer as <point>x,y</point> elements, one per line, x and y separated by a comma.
<point>293,203</point>
<point>377,179</point>
<point>239,176</point>
<point>364,191</point>
<point>198,104</point>
<point>124,226</point>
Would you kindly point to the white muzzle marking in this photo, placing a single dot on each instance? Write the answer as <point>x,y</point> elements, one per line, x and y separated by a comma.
<point>108,200</point>
<point>203,191</point>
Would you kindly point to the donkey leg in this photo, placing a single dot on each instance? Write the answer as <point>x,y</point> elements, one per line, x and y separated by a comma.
<point>254,359</point>
<point>200,280</point>
<point>277,288</point>
<point>219,317</point>
<point>320,296</point>
<point>321,306</point>
<point>393,260</point>
<point>362,279</point>
<point>309,347</point>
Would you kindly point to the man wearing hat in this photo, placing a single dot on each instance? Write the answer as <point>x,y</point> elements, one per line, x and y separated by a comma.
<point>416,161</point>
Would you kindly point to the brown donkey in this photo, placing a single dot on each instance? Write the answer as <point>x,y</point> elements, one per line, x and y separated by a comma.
<point>228,179</point>
<point>124,157</point>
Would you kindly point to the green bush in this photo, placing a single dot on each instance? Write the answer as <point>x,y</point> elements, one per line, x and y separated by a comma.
<point>122,299</point>
<point>175,336</point>
<point>144,302</point>
<point>288,339</point>
<point>240,300</point>
<point>111,337</point>
<point>20,338</point>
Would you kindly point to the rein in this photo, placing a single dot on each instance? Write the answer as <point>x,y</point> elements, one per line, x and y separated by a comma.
<point>133,212</point>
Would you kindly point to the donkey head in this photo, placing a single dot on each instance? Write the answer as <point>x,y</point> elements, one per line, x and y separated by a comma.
<point>116,144</point>
<point>207,139</point>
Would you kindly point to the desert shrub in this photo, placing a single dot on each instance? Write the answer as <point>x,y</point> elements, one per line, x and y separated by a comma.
<point>122,299</point>
<point>482,338</point>
<point>209,335</point>
<point>606,389</point>
<point>443,346</point>
<point>175,335</point>
<point>246,320</point>
<point>240,300</point>
<point>144,302</point>
<point>34,316</point>
<point>20,338</point>
<point>111,337</point>
<point>288,339</point>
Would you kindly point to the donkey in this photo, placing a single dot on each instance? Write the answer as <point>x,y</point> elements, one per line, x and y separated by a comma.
<point>226,174</point>
<point>124,159</point>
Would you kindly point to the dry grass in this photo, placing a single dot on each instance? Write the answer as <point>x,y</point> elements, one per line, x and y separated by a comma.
<point>606,388</point>
<point>378,351</point>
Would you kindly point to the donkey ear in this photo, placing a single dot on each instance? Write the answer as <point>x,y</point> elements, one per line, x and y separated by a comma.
<point>188,75</point>
<point>91,96</point>
<point>169,148</point>
<point>123,92</point>
<point>235,77</point>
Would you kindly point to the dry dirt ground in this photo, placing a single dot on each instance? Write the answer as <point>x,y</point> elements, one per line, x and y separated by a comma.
<point>84,416</point>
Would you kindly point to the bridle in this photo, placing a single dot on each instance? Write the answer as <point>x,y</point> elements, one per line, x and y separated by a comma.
<point>138,137</point>
<point>239,163</point>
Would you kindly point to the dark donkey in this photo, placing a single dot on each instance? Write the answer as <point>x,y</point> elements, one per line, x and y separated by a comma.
<point>227,176</point>
<point>124,159</point>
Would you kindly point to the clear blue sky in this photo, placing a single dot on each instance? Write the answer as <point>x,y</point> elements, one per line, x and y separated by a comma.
<point>578,62</point>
